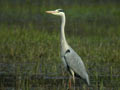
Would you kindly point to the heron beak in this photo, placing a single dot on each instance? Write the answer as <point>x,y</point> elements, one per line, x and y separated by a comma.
<point>51,12</point>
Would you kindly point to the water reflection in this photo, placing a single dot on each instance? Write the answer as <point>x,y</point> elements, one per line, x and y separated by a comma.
<point>17,74</point>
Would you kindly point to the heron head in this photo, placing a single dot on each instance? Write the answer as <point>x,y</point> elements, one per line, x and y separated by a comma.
<point>57,12</point>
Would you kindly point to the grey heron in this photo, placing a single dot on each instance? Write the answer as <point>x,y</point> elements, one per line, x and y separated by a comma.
<point>70,58</point>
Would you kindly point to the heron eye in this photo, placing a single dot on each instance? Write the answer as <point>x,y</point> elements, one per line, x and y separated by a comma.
<point>61,10</point>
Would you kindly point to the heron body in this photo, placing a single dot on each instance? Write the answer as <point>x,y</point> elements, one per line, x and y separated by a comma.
<point>70,58</point>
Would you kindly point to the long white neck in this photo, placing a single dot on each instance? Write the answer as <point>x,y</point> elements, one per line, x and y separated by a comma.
<point>63,39</point>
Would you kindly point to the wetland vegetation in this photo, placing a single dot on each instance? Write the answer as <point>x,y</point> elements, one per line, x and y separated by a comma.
<point>30,43</point>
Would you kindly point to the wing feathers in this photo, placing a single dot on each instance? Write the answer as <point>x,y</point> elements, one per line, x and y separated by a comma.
<point>74,62</point>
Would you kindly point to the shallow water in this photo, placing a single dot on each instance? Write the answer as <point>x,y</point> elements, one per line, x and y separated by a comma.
<point>20,75</point>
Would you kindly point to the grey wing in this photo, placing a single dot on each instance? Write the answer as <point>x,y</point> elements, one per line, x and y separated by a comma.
<point>75,63</point>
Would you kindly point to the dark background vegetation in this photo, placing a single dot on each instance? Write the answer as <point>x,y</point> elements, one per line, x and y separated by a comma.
<point>30,44</point>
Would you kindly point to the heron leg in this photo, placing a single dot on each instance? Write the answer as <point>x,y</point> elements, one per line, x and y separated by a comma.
<point>69,82</point>
<point>73,74</point>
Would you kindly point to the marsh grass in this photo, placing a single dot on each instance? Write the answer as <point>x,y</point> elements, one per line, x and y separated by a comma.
<point>30,45</point>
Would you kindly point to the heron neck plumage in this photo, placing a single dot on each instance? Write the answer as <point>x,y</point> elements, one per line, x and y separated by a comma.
<point>63,39</point>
